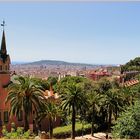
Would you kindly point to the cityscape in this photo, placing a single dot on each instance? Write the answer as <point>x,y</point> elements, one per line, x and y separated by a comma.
<point>70,70</point>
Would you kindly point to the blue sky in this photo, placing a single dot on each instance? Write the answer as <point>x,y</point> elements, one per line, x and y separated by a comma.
<point>92,32</point>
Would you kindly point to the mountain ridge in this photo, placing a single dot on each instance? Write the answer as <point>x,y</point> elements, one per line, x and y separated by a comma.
<point>56,62</point>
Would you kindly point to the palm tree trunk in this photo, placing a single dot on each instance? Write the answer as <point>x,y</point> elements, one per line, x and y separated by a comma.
<point>26,123</point>
<point>92,123</point>
<point>51,127</point>
<point>110,117</point>
<point>73,122</point>
<point>92,128</point>
<point>116,114</point>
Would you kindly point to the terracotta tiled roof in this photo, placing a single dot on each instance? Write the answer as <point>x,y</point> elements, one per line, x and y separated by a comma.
<point>131,83</point>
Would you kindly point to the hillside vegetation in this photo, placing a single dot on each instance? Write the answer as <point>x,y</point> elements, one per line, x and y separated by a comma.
<point>132,65</point>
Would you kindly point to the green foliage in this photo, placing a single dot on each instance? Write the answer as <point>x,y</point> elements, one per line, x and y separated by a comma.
<point>52,80</point>
<point>73,97</point>
<point>51,111</point>
<point>128,124</point>
<point>26,134</point>
<point>4,130</point>
<point>65,131</point>
<point>105,103</point>
<point>15,133</point>
<point>19,131</point>
<point>97,103</point>
<point>67,128</point>
<point>72,93</point>
<point>24,95</point>
<point>42,83</point>
<point>104,85</point>
<point>132,65</point>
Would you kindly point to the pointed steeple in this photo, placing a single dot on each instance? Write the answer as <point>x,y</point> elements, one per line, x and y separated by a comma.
<point>3,44</point>
<point>3,50</point>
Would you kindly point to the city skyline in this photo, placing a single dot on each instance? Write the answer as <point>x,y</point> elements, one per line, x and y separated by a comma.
<point>94,33</point>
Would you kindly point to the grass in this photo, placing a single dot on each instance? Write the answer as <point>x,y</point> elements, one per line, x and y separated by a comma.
<point>64,129</point>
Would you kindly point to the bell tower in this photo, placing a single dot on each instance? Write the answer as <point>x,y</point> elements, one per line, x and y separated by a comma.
<point>4,61</point>
<point>4,79</point>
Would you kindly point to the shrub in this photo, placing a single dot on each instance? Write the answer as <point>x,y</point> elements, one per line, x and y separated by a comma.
<point>65,131</point>
<point>20,131</point>
<point>128,124</point>
<point>26,135</point>
<point>16,133</point>
<point>4,130</point>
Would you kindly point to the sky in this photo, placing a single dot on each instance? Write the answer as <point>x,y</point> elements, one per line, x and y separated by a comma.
<point>85,32</point>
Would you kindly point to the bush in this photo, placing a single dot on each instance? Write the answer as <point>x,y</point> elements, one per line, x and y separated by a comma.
<point>4,130</point>
<point>15,133</point>
<point>65,131</point>
<point>128,124</point>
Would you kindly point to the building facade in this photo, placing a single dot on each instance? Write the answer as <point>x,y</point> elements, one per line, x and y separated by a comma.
<point>4,80</point>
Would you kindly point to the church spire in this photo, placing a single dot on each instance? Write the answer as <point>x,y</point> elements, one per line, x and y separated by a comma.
<point>3,50</point>
<point>3,44</point>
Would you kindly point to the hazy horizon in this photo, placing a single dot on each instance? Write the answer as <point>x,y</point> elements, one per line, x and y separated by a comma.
<point>23,62</point>
<point>92,33</point>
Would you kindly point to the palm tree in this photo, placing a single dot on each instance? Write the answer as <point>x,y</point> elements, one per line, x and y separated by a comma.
<point>113,103</point>
<point>73,99</point>
<point>94,107</point>
<point>112,100</point>
<point>25,96</point>
<point>51,111</point>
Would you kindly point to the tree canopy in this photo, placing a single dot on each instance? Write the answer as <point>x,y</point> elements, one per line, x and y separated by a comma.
<point>128,124</point>
<point>132,65</point>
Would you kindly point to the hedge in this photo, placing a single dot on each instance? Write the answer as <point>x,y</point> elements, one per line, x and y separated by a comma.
<point>65,131</point>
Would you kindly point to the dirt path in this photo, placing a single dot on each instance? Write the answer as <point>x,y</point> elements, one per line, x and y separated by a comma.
<point>97,136</point>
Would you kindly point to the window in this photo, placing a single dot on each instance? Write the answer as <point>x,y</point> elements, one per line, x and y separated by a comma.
<point>20,116</point>
<point>0,67</point>
<point>6,116</point>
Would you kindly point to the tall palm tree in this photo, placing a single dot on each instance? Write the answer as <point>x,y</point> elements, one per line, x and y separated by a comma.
<point>73,99</point>
<point>51,111</point>
<point>95,100</point>
<point>113,103</point>
<point>25,96</point>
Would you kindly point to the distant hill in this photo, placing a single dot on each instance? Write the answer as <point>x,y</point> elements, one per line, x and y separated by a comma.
<point>56,62</point>
<point>59,63</point>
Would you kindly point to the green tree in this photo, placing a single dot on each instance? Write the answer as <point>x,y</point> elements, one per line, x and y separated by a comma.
<point>103,85</point>
<point>25,96</point>
<point>113,104</point>
<point>41,82</point>
<point>73,97</point>
<point>50,111</point>
<point>95,100</point>
<point>52,80</point>
<point>112,100</point>
<point>128,124</point>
